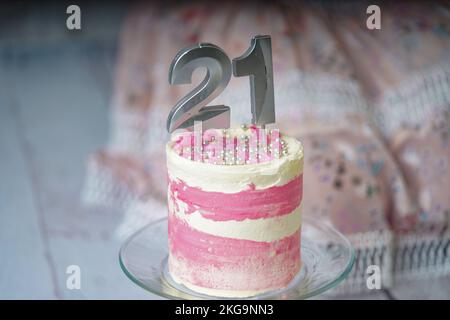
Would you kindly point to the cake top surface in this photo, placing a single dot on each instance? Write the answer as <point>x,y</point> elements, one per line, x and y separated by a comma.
<point>239,146</point>
<point>215,174</point>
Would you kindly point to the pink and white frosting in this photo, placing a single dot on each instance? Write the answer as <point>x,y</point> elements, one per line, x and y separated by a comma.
<point>234,230</point>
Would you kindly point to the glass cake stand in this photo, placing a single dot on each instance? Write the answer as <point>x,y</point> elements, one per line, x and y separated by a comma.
<point>327,258</point>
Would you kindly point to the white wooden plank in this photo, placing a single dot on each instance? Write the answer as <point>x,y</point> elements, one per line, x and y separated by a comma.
<point>101,276</point>
<point>65,118</point>
<point>25,265</point>
<point>375,295</point>
<point>433,288</point>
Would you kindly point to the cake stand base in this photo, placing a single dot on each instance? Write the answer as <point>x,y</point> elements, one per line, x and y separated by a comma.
<point>327,258</point>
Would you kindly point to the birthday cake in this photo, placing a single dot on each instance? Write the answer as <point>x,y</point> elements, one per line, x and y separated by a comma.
<point>234,199</point>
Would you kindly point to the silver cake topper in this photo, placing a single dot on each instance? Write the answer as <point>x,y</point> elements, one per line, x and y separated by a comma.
<point>192,107</point>
<point>256,63</point>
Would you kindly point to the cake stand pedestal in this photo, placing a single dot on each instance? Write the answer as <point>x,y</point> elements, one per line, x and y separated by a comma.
<point>327,258</point>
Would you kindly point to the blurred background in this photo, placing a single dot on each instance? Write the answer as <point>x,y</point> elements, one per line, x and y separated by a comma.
<point>82,130</point>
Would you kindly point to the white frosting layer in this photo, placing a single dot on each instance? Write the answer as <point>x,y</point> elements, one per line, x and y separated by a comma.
<point>264,229</point>
<point>235,178</point>
<point>218,292</point>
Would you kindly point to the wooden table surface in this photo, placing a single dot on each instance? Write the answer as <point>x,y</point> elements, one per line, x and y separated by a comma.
<point>55,88</point>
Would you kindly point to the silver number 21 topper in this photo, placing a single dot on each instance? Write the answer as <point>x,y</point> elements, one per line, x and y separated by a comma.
<point>256,63</point>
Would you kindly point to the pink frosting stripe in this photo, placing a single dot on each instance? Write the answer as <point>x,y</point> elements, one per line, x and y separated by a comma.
<point>247,204</point>
<point>224,263</point>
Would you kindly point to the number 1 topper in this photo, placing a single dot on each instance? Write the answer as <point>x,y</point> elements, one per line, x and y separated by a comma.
<point>256,63</point>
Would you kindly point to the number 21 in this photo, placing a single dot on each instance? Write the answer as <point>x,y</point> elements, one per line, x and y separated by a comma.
<point>256,63</point>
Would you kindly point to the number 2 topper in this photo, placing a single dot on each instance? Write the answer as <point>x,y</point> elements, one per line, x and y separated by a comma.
<point>256,63</point>
<point>191,107</point>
